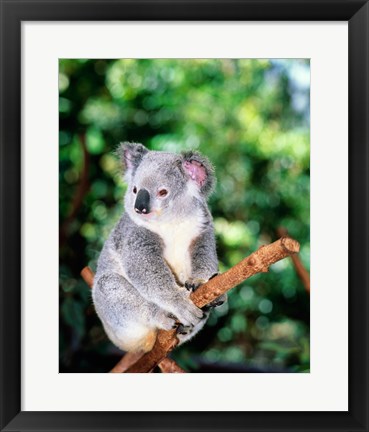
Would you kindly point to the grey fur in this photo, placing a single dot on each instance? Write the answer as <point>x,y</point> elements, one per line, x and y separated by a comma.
<point>139,286</point>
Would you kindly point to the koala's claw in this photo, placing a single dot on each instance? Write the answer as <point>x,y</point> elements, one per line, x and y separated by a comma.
<point>173,318</point>
<point>183,330</point>
<point>215,303</point>
<point>193,283</point>
<point>189,286</point>
<point>166,321</point>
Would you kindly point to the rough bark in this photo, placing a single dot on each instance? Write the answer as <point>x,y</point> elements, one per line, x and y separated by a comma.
<point>257,262</point>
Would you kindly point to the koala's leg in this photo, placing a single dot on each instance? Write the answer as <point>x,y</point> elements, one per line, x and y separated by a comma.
<point>130,321</point>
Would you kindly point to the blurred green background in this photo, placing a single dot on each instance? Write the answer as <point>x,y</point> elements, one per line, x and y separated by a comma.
<point>251,118</point>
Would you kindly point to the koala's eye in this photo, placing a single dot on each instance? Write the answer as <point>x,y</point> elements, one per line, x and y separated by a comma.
<point>134,190</point>
<point>163,192</point>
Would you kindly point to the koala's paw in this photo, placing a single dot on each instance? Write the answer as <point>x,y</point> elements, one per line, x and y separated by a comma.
<point>193,283</point>
<point>215,303</point>
<point>184,330</point>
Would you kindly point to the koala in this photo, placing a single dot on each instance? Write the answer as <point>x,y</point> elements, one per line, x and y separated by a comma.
<point>161,249</point>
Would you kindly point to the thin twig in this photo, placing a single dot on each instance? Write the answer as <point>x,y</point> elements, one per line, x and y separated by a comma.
<point>301,271</point>
<point>80,192</point>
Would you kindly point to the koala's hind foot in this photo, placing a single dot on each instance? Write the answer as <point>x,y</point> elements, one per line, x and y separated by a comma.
<point>164,320</point>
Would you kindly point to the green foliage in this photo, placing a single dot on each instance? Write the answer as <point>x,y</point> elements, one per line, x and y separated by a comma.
<point>251,118</point>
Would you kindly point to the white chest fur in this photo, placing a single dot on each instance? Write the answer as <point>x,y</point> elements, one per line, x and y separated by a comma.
<point>177,238</point>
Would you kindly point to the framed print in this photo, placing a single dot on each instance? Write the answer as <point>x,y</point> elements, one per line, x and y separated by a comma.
<point>235,88</point>
<point>290,79</point>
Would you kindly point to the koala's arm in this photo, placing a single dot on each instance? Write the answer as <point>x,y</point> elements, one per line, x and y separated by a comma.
<point>150,275</point>
<point>205,262</point>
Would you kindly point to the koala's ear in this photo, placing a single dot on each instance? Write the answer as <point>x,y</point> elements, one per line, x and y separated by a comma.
<point>131,155</point>
<point>199,169</point>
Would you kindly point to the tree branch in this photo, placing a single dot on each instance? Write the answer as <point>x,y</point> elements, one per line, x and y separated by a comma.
<point>257,262</point>
<point>126,361</point>
<point>301,271</point>
<point>168,365</point>
<point>81,190</point>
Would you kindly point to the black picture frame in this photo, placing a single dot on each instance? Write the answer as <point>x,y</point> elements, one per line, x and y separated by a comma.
<point>12,14</point>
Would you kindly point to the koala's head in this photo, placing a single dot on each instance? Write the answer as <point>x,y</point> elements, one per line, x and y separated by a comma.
<point>163,186</point>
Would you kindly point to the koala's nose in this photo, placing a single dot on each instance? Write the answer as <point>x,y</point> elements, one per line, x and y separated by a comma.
<point>142,203</point>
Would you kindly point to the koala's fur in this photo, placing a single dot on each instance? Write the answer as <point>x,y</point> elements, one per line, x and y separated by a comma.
<point>162,247</point>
